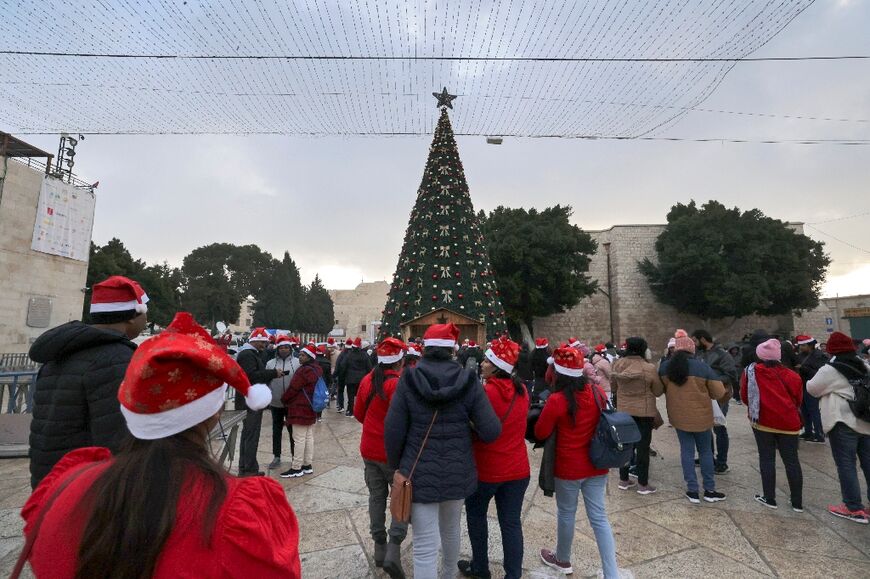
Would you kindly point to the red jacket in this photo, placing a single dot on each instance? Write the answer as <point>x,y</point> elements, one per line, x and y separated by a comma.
<point>505,458</point>
<point>572,438</point>
<point>781,392</point>
<point>256,533</point>
<point>371,444</point>
<point>300,393</point>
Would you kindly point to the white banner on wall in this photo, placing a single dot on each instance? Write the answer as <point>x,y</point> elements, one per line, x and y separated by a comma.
<point>64,220</point>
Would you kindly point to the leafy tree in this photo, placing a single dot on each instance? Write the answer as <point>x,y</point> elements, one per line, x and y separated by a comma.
<point>540,262</point>
<point>161,282</point>
<point>715,263</point>
<point>274,307</point>
<point>209,294</point>
<point>444,262</point>
<point>319,313</point>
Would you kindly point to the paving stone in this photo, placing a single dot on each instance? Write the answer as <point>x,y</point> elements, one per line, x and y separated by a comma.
<point>809,565</point>
<point>694,563</point>
<point>343,478</point>
<point>328,530</point>
<point>346,562</point>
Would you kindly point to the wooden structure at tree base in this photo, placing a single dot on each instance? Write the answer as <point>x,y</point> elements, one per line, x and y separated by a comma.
<point>469,328</point>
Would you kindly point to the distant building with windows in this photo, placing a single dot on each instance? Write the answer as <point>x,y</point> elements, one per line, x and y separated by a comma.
<point>358,311</point>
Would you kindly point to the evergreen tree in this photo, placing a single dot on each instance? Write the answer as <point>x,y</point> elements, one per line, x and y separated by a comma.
<point>716,263</point>
<point>296,291</point>
<point>319,312</point>
<point>444,262</point>
<point>273,305</point>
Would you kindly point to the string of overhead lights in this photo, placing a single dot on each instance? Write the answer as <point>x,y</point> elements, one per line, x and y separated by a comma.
<point>598,69</point>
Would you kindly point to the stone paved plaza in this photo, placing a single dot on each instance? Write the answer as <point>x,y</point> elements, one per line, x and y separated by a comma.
<point>659,535</point>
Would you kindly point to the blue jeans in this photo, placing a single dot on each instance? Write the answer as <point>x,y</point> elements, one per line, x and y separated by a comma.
<point>509,505</point>
<point>593,497</point>
<point>848,447</point>
<point>811,415</point>
<point>703,441</point>
<point>721,432</point>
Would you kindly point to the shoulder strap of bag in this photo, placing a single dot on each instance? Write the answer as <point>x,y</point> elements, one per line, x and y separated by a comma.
<point>31,538</point>
<point>423,445</point>
<point>511,407</point>
<point>601,399</point>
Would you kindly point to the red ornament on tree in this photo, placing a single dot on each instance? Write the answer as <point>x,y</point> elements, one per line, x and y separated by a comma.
<point>458,274</point>
<point>460,296</point>
<point>434,276</point>
<point>434,297</point>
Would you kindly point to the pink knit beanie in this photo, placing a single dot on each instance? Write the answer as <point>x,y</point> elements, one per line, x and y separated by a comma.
<point>770,350</point>
<point>684,342</point>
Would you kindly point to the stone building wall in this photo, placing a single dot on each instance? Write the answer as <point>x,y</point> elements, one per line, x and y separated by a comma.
<point>26,273</point>
<point>634,307</point>
<point>359,307</point>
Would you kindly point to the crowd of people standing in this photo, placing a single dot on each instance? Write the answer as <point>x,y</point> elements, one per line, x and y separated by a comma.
<point>120,434</point>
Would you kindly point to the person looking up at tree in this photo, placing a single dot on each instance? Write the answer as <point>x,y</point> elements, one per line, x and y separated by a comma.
<point>162,507</point>
<point>251,359</point>
<point>370,409</point>
<point>75,403</point>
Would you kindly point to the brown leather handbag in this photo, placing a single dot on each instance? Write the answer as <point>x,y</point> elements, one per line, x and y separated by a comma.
<point>401,493</point>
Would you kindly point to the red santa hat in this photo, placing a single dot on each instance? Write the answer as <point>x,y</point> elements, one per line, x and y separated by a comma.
<point>574,342</point>
<point>330,342</point>
<point>600,348</point>
<point>310,349</point>
<point>503,353</point>
<point>390,350</point>
<point>321,349</point>
<point>541,343</point>
<point>357,342</point>
<point>413,351</point>
<point>803,339</point>
<point>259,335</point>
<point>441,335</point>
<point>178,379</point>
<point>472,344</point>
<point>118,294</point>
<point>348,343</point>
<point>283,340</point>
<point>568,361</point>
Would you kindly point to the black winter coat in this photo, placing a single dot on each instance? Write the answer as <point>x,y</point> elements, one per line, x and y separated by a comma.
<point>809,364</point>
<point>353,366</point>
<point>539,362</point>
<point>254,365</point>
<point>446,470</point>
<point>75,401</point>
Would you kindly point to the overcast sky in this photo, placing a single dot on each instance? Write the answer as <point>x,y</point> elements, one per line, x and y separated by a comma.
<point>341,205</point>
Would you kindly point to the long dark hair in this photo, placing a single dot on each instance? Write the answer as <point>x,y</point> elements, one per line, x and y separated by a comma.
<point>133,503</point>
<point>678,367</point>
<point>569,385</point>
<point>379,377</point>
<point>437,353</point>
<point>519,387</point>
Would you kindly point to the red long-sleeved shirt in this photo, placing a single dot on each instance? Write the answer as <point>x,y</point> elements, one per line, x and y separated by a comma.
<point>572,437</point>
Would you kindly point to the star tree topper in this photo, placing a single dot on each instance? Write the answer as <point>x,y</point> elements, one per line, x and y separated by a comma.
<point>445,99</point>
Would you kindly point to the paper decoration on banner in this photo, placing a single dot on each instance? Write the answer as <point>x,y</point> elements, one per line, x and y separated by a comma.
<point>64,220</point>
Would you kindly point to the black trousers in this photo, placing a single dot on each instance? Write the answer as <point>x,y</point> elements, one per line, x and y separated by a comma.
<point>787,444</point>
<point>645,425</point>
<point>250,441</point>
<point>351,394</point>
<point>278,417</point>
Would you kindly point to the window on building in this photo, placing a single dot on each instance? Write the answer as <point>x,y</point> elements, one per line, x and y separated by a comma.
<point>248,322</point>
<point>362,328</point>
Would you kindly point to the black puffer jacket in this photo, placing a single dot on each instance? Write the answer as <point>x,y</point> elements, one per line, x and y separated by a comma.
<point>75,403</point>
<point>446,470</point>
<point>353,366</point>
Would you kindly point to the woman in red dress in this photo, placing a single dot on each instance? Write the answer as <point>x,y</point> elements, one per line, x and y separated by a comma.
<point>163,507</point>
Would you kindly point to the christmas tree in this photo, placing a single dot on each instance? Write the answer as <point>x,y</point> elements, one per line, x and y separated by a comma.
<point>444,262</point>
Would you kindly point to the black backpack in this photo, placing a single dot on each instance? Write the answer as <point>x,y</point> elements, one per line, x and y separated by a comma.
<point>861,386</point>
<point>615,437</point>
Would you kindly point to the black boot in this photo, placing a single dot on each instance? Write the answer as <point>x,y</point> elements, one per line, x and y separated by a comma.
<point>393,561</point>
<point>465,568</point>
<point>380,553</point>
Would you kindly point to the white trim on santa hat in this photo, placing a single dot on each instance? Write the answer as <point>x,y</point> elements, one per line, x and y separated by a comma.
<point>107,307</point>
<point>170,422</point>
<point>575,344</point>
<point>259,338</point>
<point>810,340</point>
<point>309,352</point>
<point>490,355</point>
<point>541,347</point>
<point>439,342</point>
<point>391,359</point>
<point>550,360</point>
<point>575,372</point>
